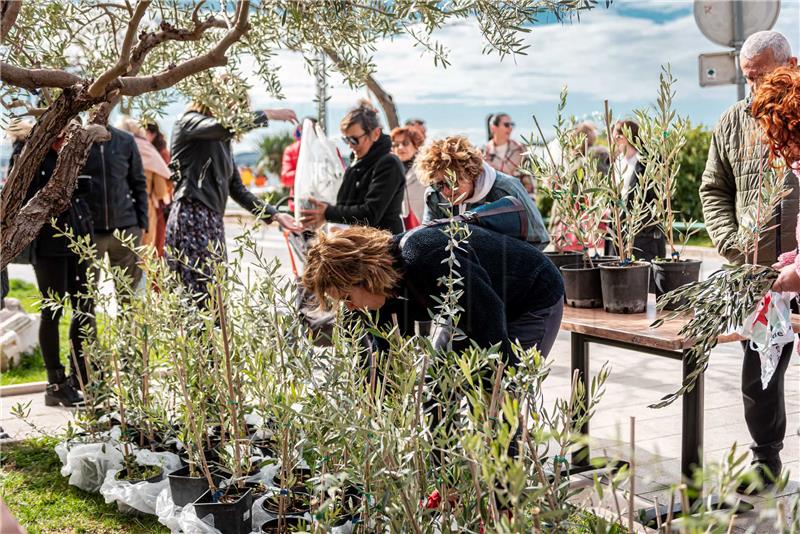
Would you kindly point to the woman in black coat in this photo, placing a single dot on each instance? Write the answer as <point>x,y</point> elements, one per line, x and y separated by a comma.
<point>59,272</point>
<point>371,193</point>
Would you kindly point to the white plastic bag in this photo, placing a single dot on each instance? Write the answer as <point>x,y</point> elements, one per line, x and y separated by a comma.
<point>319,168</point>
<point>141,496</point>
<point>86,464</point>
<point>769,329</point>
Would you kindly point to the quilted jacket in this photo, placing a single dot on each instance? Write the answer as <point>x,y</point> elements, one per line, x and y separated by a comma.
<point>729,185</point>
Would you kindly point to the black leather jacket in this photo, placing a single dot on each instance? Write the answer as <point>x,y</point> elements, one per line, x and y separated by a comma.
<point>203,167</point>
<point>119,191</point>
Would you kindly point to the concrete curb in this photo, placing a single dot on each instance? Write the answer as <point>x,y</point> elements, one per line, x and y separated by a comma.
<point>23,389</point>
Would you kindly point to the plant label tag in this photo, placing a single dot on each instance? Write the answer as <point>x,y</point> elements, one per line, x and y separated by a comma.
<point>246,515</point>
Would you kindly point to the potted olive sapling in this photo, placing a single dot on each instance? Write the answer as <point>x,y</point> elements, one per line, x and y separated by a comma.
<point>662,137</point>
<point>230,506</point>
<point>725,299</point>
<point>573,186</point>
<point>625,282</point>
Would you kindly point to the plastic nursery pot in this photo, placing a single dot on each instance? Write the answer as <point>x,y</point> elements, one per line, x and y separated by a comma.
<point>286,524</point>
<point>267,446</point>
<point>561,259</point>
<point>349,506</point>
<point>298,477</point>
<point>142,473</point>
<point>671,274</point>
<point>186,489</point>
<point>230,508</point>
<point>582,288</point>
<point>625,287</point>
<point>294,503</point>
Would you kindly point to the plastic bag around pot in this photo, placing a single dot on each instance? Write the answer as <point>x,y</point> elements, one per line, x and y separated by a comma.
<point>140,496</point>
<point>87,464</point>
<point>625,287</point>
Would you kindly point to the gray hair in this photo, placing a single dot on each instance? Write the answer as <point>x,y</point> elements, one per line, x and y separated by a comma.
<point>760,42</point>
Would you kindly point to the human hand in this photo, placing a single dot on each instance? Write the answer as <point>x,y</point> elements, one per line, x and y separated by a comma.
<point>286,115</point>
<point>313,217</point>
<point>777,266</point>
<point>788,280</point>
<point>287,222</point>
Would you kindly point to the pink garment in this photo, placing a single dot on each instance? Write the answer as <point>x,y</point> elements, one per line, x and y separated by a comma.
<point>788,258</point>
<point>152,160</point>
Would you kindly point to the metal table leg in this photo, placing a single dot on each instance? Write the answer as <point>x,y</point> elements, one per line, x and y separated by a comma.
<point>580,362</point>
<point>692,423</point>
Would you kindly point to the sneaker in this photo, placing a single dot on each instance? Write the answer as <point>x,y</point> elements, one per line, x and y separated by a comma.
<point>62,394</point>
<point>761,477</point>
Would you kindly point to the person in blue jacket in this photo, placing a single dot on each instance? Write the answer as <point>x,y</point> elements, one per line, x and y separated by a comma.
<point>459,180</point>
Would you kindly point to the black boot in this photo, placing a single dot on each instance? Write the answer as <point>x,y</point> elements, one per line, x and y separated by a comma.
<point>763,475</point>
<point>60,391</point>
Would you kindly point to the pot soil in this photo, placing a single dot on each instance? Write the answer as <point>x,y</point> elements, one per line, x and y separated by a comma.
<point>296,479</point>
<point>561,259</point>
<point>625,287</point>
<point>186,489</point>
<point>582,288</point>
<point>295,503</point>
<point>141,473</point>
<point>670,275</point>
<point>287,524</point>
<point>231,510</point>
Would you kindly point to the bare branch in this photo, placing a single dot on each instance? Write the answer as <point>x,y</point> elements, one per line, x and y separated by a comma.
<point>31,110</point>
<point>123,63</point>
<point>31,79</point>
<point>9,9</point>
<point>137,85</point>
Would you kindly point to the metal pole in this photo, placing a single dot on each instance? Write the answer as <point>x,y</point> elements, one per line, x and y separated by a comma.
<point>738,40</point>
<point>322,89</point>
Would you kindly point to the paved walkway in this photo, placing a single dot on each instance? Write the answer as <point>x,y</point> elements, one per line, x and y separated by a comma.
<point>636,380</point>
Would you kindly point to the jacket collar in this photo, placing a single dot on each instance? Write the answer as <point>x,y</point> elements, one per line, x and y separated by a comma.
<point>379,148</point>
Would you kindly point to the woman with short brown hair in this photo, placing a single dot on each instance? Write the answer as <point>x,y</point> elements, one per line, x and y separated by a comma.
<point>406,142</point>
<point>460,180</point>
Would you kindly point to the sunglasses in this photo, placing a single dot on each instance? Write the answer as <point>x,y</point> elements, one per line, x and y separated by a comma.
<point>401,143</point>
<point>353,140</point>
<point>439,186</point>
<point>508,124</point>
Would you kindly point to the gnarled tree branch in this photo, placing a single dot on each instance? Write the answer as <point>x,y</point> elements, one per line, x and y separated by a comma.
<point>31,79</point>
<point>123,63</point>
<point>9,9</point>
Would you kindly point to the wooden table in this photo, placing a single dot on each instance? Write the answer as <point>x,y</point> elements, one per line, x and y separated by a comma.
<point>633,332</point>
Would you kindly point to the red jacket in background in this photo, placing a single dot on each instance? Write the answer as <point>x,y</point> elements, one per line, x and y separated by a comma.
<point>289,164</point>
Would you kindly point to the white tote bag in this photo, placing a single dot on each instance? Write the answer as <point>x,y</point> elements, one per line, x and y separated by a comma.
<point>319,168</point>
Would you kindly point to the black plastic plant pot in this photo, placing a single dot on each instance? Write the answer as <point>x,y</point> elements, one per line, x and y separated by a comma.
<point>294,503</point>
<point>290,523</point>
<point>625,287</point>
<point>299,477</point>
<point>582,287</point>
<point>597,260</point>
<point>186,489</point>
<point>267,446</point>
<point>350,506</point>
<point>231,509</point>
<point>561,259</point>
<point>670,275</point>
<point>136,478</point>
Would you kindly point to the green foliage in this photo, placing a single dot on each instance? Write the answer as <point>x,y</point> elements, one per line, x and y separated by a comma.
<point>271,147</point>
<point>692,161</point>
<point>42,500</point>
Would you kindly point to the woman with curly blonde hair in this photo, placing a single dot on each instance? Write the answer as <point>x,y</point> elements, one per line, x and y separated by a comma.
<point>776,107</point>
<point>458,177</point>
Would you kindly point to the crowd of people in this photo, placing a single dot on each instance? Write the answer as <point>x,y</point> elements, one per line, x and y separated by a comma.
<point>133,187</point>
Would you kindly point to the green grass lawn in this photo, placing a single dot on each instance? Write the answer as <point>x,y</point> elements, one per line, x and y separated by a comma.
<point>43,502</point>
<point>32,367</point>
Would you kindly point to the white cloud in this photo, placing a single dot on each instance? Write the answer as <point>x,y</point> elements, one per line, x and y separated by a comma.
<point>606,55</point>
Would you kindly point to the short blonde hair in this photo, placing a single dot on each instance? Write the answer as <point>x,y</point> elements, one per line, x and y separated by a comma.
<point>358,256</point>
<point>454,153</point>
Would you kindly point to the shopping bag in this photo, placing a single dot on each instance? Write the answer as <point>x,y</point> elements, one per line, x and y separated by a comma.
<point>769,329</point>
<point>320,169</point>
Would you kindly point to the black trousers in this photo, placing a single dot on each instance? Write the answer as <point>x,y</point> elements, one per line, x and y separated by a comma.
<point>58,276</point>
<point>764,409</point>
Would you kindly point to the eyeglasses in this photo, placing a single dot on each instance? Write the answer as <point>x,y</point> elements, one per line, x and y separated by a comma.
<point>353,140</point>
<point>508,124</point>
<point>398,144</point>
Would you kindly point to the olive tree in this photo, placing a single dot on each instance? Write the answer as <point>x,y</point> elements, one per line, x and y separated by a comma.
<point>70,58</point>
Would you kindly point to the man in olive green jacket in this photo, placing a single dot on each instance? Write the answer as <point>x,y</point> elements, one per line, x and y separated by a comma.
<point>730,182</point>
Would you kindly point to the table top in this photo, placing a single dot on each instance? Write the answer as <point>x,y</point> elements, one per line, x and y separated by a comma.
<point>635,328</point>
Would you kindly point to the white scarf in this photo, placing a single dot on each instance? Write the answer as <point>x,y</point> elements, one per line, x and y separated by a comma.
<point>483,184</point>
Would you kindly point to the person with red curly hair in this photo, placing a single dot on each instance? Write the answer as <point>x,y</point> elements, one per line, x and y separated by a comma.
<point>737,158</point>
<point>776,107</point>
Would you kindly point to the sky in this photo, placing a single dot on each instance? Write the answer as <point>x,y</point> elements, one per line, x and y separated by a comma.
<point>612,53</point>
